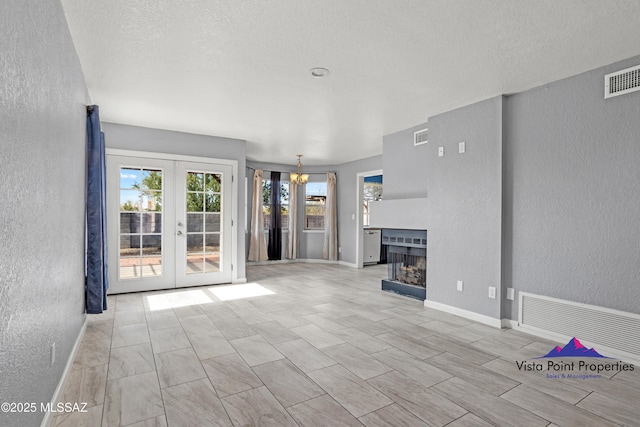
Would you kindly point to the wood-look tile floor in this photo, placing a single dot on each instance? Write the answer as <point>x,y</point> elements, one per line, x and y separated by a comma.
<point>319,345</point>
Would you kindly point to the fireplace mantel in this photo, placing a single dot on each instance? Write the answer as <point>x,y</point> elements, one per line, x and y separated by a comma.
<point>399,213</point>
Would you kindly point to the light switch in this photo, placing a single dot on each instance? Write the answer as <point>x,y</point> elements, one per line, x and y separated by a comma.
<point>440,151</point>
<point>511,293</point>
<point>462,147</point>
<point>460,283</point>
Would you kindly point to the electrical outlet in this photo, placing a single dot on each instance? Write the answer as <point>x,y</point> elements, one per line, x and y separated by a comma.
<point>53,353</point>
<point>440,151</point>
<point>492,292</point>
<point>462,147</point>
<point>511,293</point>
<point>460,284</point>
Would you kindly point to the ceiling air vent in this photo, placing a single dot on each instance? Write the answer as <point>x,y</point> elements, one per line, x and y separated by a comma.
<point>622,82</point>
<point>420,137</point>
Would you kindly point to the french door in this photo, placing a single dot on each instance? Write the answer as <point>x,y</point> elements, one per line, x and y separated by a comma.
<point>169,223</point>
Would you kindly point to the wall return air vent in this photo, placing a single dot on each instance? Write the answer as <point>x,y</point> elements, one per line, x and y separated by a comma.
<point>420,136</point>
<point>621,82</point>
<point>614,331</point>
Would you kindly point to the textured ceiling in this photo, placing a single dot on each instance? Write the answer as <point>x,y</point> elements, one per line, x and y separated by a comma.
<point>240,68</point>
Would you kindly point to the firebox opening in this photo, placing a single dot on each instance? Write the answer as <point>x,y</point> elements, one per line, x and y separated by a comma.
<point>406,261</point>
<point>408,265</point>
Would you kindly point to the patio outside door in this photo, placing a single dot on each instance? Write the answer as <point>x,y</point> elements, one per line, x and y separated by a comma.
<point>169,223</point>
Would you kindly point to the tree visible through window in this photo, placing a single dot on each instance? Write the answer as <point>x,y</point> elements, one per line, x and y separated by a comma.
<point>266,204</point>
<point>315,205</point>
<point>372,192</point>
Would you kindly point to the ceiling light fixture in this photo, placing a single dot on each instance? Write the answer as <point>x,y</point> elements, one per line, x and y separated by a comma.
<point>319,72</point>
<point>299,178</point>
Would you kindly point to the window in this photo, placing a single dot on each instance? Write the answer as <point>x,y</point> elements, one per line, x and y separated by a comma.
<point>315,205</point>
<point>266,204</point>
<point>372,192</point>
<point>284,204</point>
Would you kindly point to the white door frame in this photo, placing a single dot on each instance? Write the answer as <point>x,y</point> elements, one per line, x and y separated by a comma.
<point>359,212</point>
<point>195,159</point>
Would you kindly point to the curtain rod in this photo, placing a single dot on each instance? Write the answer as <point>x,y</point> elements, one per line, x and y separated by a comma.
<point>293,171</point>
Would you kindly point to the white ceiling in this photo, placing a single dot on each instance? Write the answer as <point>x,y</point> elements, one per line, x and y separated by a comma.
<point>240,68</point>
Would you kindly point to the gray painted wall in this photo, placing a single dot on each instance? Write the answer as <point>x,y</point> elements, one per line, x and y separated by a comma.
<point>404,164</point>
<point>557,166</point>
<point>464,200</point>
<point>465,208</point>
<point>135,138</point>
<point>348,204</point>
<point>42,176</point>
<point>572,203</point>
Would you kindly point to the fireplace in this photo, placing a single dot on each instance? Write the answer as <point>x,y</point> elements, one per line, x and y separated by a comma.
<point>406,262</point>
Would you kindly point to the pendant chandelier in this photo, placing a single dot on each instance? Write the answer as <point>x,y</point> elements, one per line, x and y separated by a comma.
<point>299,178</point>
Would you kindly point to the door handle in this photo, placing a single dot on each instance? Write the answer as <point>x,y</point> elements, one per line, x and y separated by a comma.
<point>179,233</point>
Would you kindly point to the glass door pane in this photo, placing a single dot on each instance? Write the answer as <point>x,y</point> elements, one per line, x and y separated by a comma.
<point>205,188</point>
<point>203,203</point>
<point>195,222</point>
<point>212,230</point>
<point>140,223</point>
<point>138,190</point>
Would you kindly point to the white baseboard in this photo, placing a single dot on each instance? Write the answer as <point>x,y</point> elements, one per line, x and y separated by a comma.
<point>279,261</point>
<point>57,395</point>
<point>348,264</point>
<point>480,318</point>
<point>300,260</point>
<point>316,261</point>
<point>511,324</point>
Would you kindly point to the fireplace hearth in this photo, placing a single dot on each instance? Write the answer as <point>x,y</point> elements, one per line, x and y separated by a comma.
<point>406,261</point>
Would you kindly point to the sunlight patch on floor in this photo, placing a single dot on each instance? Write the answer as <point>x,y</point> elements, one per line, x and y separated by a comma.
<point>178,299</point>
<point>247,290</point>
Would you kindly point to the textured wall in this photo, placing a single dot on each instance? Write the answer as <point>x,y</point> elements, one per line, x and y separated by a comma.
<point>404,163</point>
<point>465,207</point>
<point>569,195</point>
<point>571,192</point>
<point>163,141</point>
<point>42,176</point>
<point>464,200</point>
